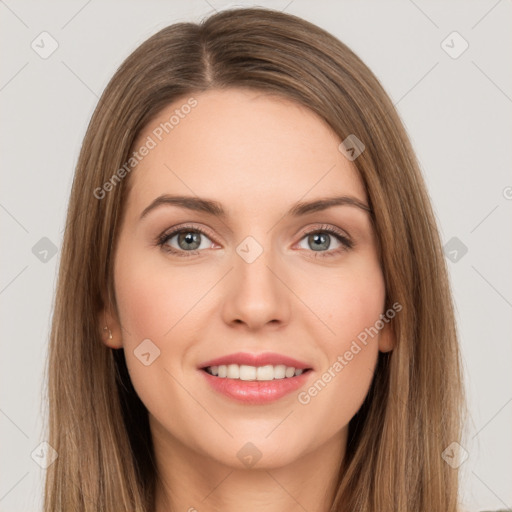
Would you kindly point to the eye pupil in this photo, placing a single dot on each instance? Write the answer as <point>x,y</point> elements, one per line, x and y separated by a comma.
<point>189,237</point>
<point>320,241</point>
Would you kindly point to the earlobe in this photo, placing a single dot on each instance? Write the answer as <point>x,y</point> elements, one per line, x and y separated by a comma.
<point>387,339</point>
<point>110,330</point>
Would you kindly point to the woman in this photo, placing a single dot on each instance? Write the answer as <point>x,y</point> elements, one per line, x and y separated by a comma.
<point>253,309</point>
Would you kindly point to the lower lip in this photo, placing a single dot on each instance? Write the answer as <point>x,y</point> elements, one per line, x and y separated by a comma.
<point>256,392</point>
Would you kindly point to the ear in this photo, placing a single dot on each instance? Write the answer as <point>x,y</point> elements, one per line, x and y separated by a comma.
<point>387,338</point>
<point>110,328</point>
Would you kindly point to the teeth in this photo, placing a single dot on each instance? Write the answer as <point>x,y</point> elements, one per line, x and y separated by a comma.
<point>245,372</point>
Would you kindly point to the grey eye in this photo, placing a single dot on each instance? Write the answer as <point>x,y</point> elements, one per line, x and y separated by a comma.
<point>319,241</point>
<point>189,240</point>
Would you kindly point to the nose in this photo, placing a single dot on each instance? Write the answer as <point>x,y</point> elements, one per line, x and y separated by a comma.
<point>256,293</point>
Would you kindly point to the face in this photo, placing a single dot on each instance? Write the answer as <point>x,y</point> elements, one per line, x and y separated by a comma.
<point>193,285</point>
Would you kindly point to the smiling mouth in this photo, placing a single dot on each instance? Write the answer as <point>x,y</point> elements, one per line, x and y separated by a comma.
<point>254,373</point>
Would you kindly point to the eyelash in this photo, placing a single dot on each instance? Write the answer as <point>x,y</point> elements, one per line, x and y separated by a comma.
<point>345,241</point>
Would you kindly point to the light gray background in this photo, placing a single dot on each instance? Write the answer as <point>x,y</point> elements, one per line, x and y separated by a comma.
<point>458,115</point>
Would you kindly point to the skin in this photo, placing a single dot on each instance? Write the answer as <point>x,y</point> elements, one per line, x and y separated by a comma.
<point>257,155</point>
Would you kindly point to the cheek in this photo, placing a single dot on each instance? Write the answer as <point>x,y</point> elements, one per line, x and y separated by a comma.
<point>146,308</point>
<point>151,302</point>
<point>153,297</point>
<point>345,302</point>
<point>349,302</point>
<point>159,303</point>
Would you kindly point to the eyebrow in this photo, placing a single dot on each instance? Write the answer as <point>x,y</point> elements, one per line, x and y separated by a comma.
<point>215,208</point>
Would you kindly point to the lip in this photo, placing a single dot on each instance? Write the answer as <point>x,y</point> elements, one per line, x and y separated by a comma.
<point>255,392</point>
<point>257,360</point>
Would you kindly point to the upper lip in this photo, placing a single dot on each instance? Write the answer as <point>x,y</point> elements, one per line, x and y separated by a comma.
<point>263,359</point>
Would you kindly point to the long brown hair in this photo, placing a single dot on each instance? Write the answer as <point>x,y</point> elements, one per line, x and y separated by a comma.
<point>415,407</point>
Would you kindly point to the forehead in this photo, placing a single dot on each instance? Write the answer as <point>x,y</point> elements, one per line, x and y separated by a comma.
<point>244,148</point>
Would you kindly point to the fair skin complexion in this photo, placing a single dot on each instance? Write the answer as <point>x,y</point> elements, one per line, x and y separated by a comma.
<point>258,156</point>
